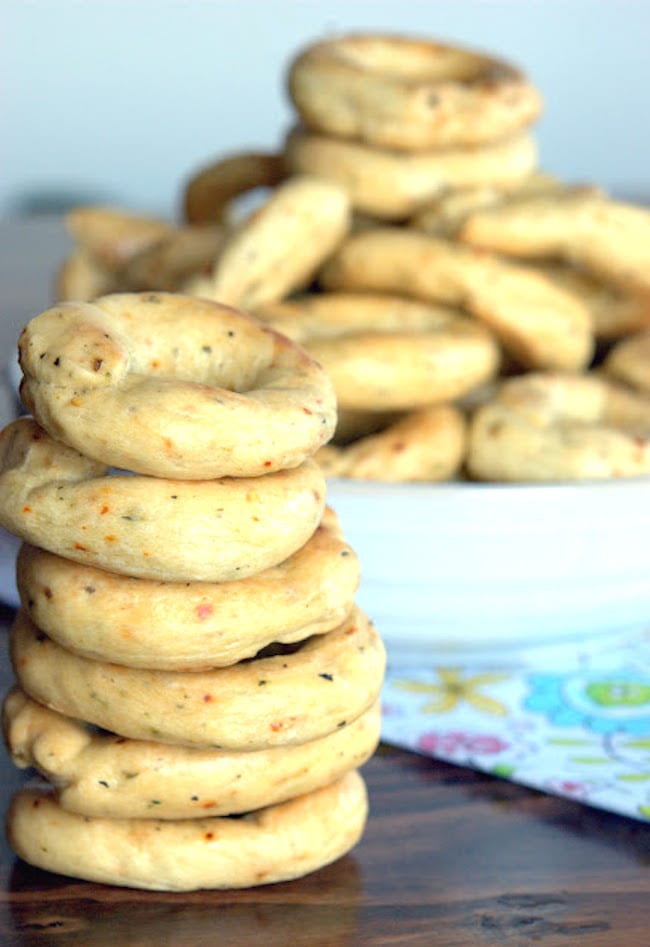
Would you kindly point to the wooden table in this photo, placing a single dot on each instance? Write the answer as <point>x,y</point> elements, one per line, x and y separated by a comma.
<point>450,857</point>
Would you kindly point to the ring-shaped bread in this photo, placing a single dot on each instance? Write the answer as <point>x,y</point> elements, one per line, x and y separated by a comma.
<point>101,775</point>
<point>609,239</point>
<point>173,386</point>
<point>426,445</point>
<point>560,427</point>
<point>112,236</point>
<point>392,185</point>
<point>409,94</point>
<point>628,361</point>
<point>303,693</point>
<point>210,191</point>
<point>278,248</point>
<point>174,530</point>
<point>539,324</point>
<point>389,353</point>
<point>190,625</point>
<point>273,844</point>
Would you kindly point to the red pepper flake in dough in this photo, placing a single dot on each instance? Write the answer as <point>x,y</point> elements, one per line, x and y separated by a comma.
<point>204,611</point>
<point>307,411</point>
<point>207,698</point>
<point>277,725</point>
<point>82,548</point>
<point>27,509</point>
<point>208,836</point>
<point>104,510</point>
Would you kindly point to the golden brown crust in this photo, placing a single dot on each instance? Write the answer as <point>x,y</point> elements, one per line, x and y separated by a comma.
<point>100,775</point>
<point>389,353</point>
<point>629,362</point>
<point>209,192</point>
<point>610,239</point>
<point>539,324</point>
<point>173,530</point>
<point>409,94</point>
<point>392,185</point>
<point>560,427</point>
<point>190,625</point>
<point>172,386</point>
<point>111,235</point>
<point>426,445</point>
<point>273,844</point>
<point>279,248</point>
<point>285,699</point>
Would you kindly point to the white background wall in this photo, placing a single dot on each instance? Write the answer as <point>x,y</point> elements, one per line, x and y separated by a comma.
<point>120,100</point>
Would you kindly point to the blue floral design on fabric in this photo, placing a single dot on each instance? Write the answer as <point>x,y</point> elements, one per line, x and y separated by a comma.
<point>597,700</point>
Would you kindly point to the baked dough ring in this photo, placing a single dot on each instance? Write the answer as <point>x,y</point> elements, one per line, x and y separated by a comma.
<point>273,844</point>
<point>389,353</point>
<point>409,94</point>
<point>112,236</point>
<point>190,625</point>
<point>391,185</point>
<point>444,216</point>
<point>614,311</point>
<point>426,445</point>
<point>172,386</point>
<point>174,530</point>
<point>610,239</point>
<point>279,247</point>
<point>539,324</point>
<point>286,699</point>
<point>629,362</point>
<point>560,427</point>
<point>210,191</point>
<point>100,775</point>
<point>169,264</point>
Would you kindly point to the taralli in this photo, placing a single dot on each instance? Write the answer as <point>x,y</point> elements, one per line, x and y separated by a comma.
<point>112,236</point>
<point>190,625</point>
<point>610,239</point>
<point>614,311</point>
<point>303,693</point>
<point>629,362</point>
<point>409,94</point>
<point>557,427</point>
<point>425,445</point>
<point>101,775</point>
<point>279,248</point>
<point>209,193</point>
<point>539,324</point>
<point>168,265</point>
<point>175,530</point>
<point>80,277</point>
<point>172,386</point>
<point>393,186</point>
<point>444,216</point>
<point>389,353</point>
<point>269,845</point>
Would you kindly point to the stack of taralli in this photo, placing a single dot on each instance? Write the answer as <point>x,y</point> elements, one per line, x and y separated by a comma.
<point>193,678</point>
<point>410,241</point>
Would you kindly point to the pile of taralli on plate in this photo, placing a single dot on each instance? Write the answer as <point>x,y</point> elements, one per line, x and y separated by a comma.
<point>194,680</point>
<point>478,317</point>
<point>412,299</point>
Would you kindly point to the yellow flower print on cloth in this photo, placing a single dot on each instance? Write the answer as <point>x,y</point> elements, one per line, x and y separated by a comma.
<point>454,688</point>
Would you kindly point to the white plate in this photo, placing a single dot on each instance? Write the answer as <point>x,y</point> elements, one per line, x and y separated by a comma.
<point>485,569</point>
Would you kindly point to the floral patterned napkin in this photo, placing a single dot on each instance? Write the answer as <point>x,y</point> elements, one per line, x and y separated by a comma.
<point>572,722</point>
